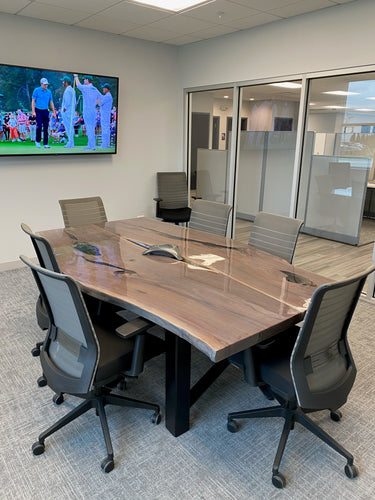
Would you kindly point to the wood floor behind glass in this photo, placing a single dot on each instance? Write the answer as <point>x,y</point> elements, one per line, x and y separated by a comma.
<point>328,258</point>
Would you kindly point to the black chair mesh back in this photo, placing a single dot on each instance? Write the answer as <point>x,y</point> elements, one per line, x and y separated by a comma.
<point>70,353</point>
<point>172,190</point>
<point>321,364</point>
<point>82,211</point>
<point>275,234</point>
<point>210,216</point>
<point>43,250</point>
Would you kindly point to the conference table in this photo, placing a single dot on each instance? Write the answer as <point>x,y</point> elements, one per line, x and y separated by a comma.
<point>222,297</point>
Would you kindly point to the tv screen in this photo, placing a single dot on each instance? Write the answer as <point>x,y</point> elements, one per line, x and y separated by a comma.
<point>46,112</point>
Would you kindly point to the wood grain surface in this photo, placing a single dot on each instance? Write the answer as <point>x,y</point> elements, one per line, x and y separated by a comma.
<point>223,297</point>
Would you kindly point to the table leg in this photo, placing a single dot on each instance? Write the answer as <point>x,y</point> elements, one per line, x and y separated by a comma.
<point>177,384</point>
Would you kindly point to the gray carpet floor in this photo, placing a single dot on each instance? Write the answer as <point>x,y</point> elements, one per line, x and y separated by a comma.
<point>205,463</point>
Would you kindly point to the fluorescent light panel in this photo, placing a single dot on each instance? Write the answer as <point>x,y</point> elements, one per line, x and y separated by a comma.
<point>172,5</point>
<point>287,85</point>
<point>340,92</point>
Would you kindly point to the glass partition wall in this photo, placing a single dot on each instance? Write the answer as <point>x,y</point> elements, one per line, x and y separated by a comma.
<point>302,147</point>
<point>340,127</point>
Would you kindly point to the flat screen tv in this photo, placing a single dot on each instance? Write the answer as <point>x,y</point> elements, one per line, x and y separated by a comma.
<point>46,112</point>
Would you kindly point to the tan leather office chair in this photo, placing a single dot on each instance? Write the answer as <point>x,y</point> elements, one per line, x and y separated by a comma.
<point>210,216</point>
<point>81,211</point>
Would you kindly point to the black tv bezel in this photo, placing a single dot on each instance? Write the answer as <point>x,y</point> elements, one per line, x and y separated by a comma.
<point>50,154</point>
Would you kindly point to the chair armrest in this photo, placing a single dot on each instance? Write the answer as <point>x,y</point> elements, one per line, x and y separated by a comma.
<point>197,197</point>
<point>132,328</point>
<point>157,199</point>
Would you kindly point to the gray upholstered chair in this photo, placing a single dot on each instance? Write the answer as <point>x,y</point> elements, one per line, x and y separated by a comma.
<point>275,234</point>
<point>210,216</point>
<point>82,358</point>
<point>311,368</point>
<point>81,211</point>
<point>172,203</point>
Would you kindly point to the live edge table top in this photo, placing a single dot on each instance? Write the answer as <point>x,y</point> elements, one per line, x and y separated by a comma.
<point>223,297</point>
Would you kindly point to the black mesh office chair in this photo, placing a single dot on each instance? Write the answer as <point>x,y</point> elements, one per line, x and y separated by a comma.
<point>84,359</point>
<point>172,203</point>
<point>46,259</point>
<point>275,234</point>
<point>81,211</point>
<point>210,216</point>
<point>316,372</point>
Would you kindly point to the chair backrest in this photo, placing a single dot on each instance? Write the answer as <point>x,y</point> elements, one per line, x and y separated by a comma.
<point>275,234</point>
<point>70,353</point>
<point>172,189</point>
<point>81,211</point>
<point>322,366</point>
<point>210,216</point>
<point>43,250</point>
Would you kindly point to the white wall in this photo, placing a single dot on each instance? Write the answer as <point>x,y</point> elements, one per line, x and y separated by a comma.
<point>339,37</point>
<point>149,130</point>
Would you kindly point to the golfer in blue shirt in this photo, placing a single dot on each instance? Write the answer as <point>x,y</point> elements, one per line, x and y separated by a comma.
<point>40,103</point>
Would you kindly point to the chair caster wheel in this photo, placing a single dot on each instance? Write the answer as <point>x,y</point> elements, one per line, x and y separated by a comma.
<point>42,381</point>
<point>37,448</point>
<point>278,480</point>
<point>232,426</point>
<point>351,471</point>
<point>336,416</point>
<point>35,352</point>
<point>156,418</point>
<point>58,399</point>
<point>121,386</point>
<point>107,464</point>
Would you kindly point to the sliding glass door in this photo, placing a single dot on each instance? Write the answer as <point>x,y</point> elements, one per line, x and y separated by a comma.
<point>266,151</point>
<point>211,122</point>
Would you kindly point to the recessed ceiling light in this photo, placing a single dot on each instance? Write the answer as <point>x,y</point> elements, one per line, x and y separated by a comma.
<point>172,5</point>
<point>340,92</point>
<point>371,98</point>
<point>252,99</point>
<point>335,107</point>
<point>287,85</point>
<point>365,109</point>
<point>226,97</point>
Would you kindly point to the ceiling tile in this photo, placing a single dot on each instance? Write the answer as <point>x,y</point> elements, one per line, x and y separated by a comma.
<point>90,6</point>
<point>101,22</point>
<point>183,40</point>
<point>215,31</point>
<point>250,22</point>
<point>301,7</point>
<point>12,7</point>
<point>263,5</point>
<point>152,34</point>
<point>182,24</point>
<point>220,11</point>
<point>52,13</point>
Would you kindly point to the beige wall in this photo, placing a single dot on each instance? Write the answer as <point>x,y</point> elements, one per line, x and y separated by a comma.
<point>149,131</point>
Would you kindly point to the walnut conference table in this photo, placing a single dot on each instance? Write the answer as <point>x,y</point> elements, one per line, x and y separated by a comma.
<point>223,297</point>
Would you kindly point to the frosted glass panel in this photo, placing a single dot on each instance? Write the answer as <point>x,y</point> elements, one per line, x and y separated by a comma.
<point>335,199</point>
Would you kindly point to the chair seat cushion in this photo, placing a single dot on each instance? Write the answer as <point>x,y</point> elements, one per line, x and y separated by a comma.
<point>116,354</point>
<point>274,364</point>
<point>175,214</point>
